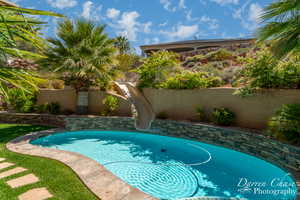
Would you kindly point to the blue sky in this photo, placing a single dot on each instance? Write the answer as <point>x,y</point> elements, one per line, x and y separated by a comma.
<point>156,21</point>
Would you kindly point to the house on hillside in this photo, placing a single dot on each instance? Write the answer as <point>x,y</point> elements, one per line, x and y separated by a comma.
<point>196,47</point>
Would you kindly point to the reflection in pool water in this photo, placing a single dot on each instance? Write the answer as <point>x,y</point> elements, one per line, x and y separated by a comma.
<point>173,168</point>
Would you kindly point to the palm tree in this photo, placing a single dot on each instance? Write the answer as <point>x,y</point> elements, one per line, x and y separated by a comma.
<point>122,44</point>
<point>282,27</point>
<point>15,26</point>
<point>84,54</point>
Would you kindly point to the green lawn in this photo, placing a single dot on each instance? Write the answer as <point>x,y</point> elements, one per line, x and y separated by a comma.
<point>60,180</point>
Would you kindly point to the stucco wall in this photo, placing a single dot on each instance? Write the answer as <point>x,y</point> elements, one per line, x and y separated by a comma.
<point>251,112</point>
<point>67,100</point>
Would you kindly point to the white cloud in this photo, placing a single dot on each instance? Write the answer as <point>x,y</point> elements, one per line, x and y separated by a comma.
<point>147,27</point>
<point>181,4</point>
<point>211,22</point>
<point>112,13</point>
<point>168,5</point>
<point>249,15</point>
<point>61,4</point>
<point>181,32</point>
<point>255,12</point>
<point>223,2</point>
<point>163,24</point>
<point>128,24</point>
<point>90,11</point>
<point>86,12</point>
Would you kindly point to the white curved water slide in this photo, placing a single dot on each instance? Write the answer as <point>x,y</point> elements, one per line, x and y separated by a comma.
<point>145,113</point>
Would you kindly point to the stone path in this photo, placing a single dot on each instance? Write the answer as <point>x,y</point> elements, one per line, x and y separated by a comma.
<point>5,165</point>
<point>12,172</point>
<point>36,194</point>
<point>33,194</point>
<point>23,180</point>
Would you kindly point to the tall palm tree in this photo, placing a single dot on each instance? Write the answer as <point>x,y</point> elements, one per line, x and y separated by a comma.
<point>84,53</point>
<point>122,44</point>
<point>15,25</point>
<point>282,27</point>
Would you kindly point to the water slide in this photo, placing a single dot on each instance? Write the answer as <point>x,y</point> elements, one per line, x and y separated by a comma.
<point>143,108</point>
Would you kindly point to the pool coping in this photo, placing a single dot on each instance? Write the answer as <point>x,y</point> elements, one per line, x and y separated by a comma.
<point>104,184</point>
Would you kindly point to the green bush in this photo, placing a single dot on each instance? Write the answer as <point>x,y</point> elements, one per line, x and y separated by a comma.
<point>156,68</point>
<point>111,105</point>
<point>20,101</point>
<point>162,115</point>
<point>200,113</point>
<point>191,80</point>
<point>265,71</point>
<point>223,116</point>
<point>51,108</point>
<point>219,55</point>
<point>285,125</point>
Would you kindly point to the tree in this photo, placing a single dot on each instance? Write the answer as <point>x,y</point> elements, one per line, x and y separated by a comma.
<point>122,44</point>
<point>84,54</point>
<point>282,27</point>
<point>16,25</point>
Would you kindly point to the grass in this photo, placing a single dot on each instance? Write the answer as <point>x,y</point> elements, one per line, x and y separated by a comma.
<point>60,180</point>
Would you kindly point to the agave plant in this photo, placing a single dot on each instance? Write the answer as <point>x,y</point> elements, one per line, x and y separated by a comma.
<point>15,25</point>
<point>282,27</point>
<point>84,53</point>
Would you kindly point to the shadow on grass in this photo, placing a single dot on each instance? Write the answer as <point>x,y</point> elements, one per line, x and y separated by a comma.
<point>11,131</point>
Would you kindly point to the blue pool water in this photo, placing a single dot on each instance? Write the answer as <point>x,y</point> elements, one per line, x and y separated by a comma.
<point>173,168</point>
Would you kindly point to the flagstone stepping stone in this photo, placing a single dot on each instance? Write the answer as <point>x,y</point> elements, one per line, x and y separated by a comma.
<point>5,165</point>
<point>23,180</point>
<point>2,159</point>
<point>12,172</point>
<point>36,194</point>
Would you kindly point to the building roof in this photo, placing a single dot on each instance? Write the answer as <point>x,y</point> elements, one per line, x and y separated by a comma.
<point>195,42</point>
<point>7,3</point>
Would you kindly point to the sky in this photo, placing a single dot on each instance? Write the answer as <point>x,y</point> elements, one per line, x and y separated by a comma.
<point>156,21</point>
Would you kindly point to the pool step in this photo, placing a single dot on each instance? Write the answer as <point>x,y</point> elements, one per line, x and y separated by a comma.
<point>23,180</point>
<point>36,194</point>
<point>12,172</point>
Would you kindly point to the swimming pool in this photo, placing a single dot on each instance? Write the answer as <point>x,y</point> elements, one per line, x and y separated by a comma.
<point>174,168</point>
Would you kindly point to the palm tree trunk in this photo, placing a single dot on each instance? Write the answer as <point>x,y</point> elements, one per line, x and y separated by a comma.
<point>82,102</point>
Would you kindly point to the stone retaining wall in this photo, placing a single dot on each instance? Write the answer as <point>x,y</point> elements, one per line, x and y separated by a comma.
<point>31,118</point>
<point>280,154</point>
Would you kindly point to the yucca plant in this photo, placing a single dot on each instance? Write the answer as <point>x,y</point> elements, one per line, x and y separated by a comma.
<point>84,54</point>
<point>282,27</point>
<point>16,25</point>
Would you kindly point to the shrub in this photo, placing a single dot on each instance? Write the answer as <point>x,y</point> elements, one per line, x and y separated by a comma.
<point>265,71</point>
<point>20,101</point>
<point>57,84</point>
<point>219,55</point>
<point>51,108</point>
<point>54,108</point>
<point>200,113</point>
<point>162,115</point>
<point>191,80</point>
<point>223,116</point>
<point>111,105</point>
<point>285,125</point>
<point>157,68</point>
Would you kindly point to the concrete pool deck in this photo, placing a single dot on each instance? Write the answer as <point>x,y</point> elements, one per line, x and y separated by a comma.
<point>99,180</point>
